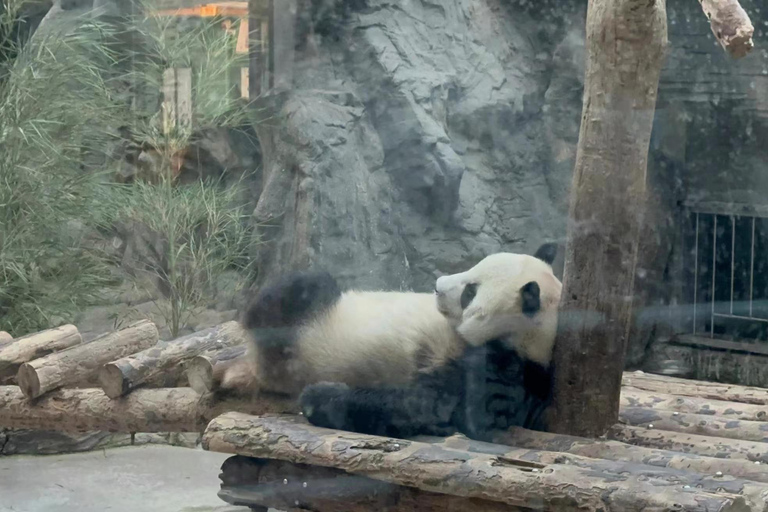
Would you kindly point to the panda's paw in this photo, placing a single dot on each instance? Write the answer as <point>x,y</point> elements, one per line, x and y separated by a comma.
<point>325,404</point>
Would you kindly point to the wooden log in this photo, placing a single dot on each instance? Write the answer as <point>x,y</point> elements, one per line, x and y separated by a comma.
<point>206,371</point>
<point>714,426</point>
<point>286,486</point>
<point>77,363</point>
<point>622,452</point>
<point>696,388</point>
<point>720,448</point>
<point>34,346</point>
<point>145,410</point>
<point>121,376</point>
<point>5,338</point>
<point>633,397</point>
<point>580,484</point>
<point>731,26</point>
<point>625,41</point>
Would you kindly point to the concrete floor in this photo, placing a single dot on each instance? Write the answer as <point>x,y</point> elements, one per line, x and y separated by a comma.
<point>133,479</point>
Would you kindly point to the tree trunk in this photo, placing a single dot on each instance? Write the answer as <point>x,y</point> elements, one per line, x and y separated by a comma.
<point>144,410</point>
<point>625,42</point>
<point>35,346</point>
<point>517,477</point>
<point>77,364</point>
<point>119,377</point>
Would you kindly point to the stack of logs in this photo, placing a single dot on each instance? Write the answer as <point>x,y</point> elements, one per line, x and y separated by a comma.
<point>680,444</point>
<point>124,381</point>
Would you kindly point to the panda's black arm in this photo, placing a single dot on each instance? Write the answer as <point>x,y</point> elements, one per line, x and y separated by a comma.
<point>425,408</point>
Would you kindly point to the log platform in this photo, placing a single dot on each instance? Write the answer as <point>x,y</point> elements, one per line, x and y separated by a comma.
<point>679,444</point>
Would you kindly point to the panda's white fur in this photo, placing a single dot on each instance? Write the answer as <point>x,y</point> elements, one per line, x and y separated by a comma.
<point>495,312</point>
<point>374,339</point>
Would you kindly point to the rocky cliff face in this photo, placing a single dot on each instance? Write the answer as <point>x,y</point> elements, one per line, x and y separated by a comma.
<point>420,137</point>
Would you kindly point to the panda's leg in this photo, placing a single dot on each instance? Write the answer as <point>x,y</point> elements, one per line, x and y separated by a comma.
<point>273,319</point>
<point>424,408</point>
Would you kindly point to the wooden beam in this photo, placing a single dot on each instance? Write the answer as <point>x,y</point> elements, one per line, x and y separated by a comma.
<point>120,376</point>
<point>27,348</point>
<point>578,483</point>
<point>144,410</point>
<point>701,424</point>
<point>682,459</point>
<point>633,397</point>
<point>626,40</point>
<point>704,446</point>
<point>82,362</point>
<point>287,486</point>
<point>696,388</point>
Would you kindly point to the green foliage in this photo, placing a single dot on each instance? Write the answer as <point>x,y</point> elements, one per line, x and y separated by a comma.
<point>61,95</point>
<point>45,269</point>
<point>197,233</point>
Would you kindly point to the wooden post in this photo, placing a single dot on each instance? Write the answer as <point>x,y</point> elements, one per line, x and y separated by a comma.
<point>169,100</point>
<point>257,55</point>
<point>281,43</point>
<point>625,44</point>
<point>184,98</point>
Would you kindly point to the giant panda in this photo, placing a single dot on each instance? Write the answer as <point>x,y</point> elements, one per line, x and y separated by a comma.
<point>471,357</point>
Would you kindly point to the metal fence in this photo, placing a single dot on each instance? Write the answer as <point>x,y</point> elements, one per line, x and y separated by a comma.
<point>726,260</point>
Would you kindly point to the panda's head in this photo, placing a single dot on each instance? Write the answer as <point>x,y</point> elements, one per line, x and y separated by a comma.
<point>508,297</point>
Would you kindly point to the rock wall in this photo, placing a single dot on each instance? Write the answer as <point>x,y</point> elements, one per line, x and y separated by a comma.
<point>417,138</point>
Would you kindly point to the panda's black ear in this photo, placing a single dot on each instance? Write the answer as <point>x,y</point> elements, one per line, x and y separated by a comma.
<point>547,253</point>
<point>530,298</point>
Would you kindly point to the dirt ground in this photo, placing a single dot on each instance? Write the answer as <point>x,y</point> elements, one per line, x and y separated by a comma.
<point>144,478</point>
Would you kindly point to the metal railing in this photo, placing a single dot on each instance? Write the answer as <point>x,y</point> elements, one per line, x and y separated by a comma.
<point>726,249</point>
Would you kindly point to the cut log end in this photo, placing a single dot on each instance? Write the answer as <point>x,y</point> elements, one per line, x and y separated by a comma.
<point>5,338</point>
<point>82,363</point>
<point>200,374</point>
<point>112,382</point>
<point>731,26</point>
<point>28,381</point>
<point>168,359</point>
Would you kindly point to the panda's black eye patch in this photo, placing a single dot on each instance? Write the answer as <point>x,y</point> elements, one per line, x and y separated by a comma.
<point>530,298</point>
<point>470,290</point>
